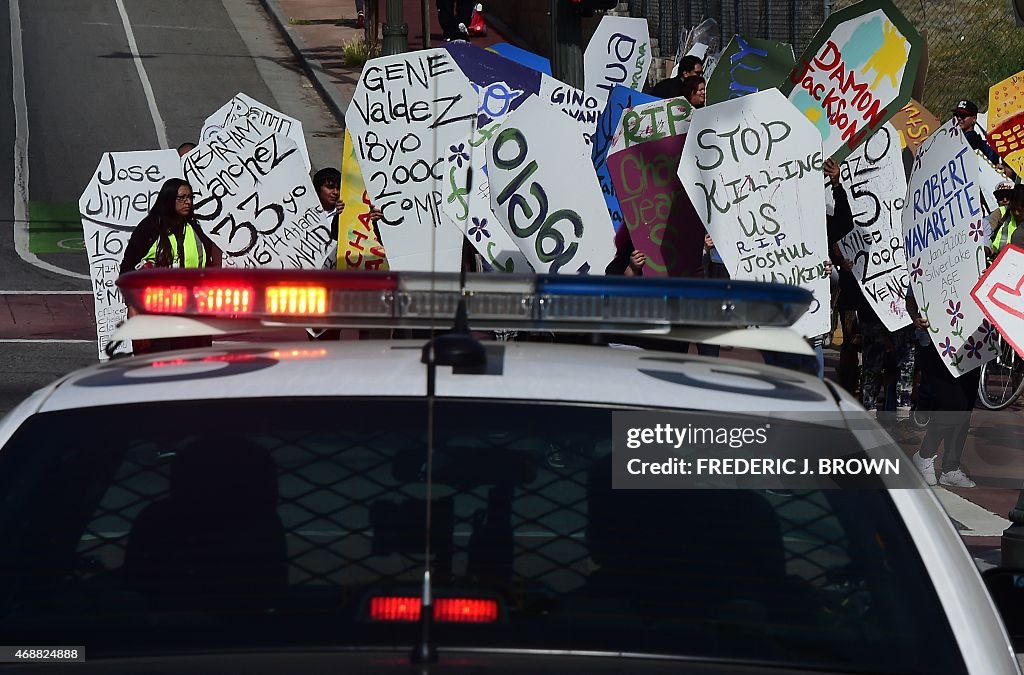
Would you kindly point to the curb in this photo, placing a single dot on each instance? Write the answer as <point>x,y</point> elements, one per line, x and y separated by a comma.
<point>312,66</point>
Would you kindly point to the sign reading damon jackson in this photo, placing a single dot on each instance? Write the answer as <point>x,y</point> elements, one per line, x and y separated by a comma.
<point>944,238</point>
<point>753,169</point>
<point>857,72</point>
<point>407,114</point>
<point>119,195</point>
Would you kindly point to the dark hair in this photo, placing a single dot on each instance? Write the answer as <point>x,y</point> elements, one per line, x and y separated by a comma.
<point>324,176</point>
<point>688,63</point>
<point>185,147</point>
<point>691,84</point>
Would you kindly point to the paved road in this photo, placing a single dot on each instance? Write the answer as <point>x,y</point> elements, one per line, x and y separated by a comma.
<point>92,76</point>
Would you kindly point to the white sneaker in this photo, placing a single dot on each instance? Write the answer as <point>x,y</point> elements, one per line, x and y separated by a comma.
<point>956,479</point>
<point>926,467</point>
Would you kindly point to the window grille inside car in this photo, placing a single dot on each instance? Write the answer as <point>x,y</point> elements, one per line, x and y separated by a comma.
<point>276,521</point>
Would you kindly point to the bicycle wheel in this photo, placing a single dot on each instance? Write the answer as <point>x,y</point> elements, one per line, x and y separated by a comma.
<point>1002,380</point>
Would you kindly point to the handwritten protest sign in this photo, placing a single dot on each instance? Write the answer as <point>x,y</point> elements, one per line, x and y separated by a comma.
<point>501,87</point>
<point>1000,295</point>
<point>255,200</point>
<point>856,73</point>
<point>619,53</point>
<point>652,121</point>
<point>752,167</point>
<point>643,165</point>
<point>943,238</point>
<point>544,192</point>
<point>574,103</point>
<point>242,106</point>
<point>1006,120</point>
<point>607,122</point>
<point>749,65</point>
<point>914,124</point>
<point>119,195</point>
<point>409,114</point>
<point>874,180</point>
<point>358,245</point>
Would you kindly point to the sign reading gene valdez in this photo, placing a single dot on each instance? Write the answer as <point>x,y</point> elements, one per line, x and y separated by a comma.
<point>408,116</point>
<point>619,53</point>
<point>545,193</point>
<point>242,106</point>
<point>874,180</point>
<point>254,199</point>
<point>943,236</point>
<point>856,73</point>
<point>120,194</point>
<point>753,169</point>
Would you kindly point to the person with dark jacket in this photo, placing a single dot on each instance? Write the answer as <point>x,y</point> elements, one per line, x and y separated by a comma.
<point>672,87</point>
<point>966,113</point>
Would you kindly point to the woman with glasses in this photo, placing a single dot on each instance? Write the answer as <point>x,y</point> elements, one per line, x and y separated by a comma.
<point>169,236</point>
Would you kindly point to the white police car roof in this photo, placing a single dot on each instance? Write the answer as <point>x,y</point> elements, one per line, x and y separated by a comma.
<point>517,371</point>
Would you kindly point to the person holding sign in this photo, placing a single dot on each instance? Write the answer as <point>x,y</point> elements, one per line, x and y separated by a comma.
<point>672,87</point>
<point>966,113</point>
<point>1004,220</point>
<point>170,237</point>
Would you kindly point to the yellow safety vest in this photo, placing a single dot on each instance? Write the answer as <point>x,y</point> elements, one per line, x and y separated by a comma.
<point>1007,228</point>
<point>195,254</point>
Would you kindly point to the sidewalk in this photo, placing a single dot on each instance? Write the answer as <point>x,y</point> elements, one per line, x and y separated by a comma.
<point>315,31</point>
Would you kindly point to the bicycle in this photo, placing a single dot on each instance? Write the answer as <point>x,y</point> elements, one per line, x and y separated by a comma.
<point>1002,378</point>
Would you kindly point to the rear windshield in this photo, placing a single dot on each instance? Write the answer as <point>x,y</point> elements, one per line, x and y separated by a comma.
<point>242,523</point>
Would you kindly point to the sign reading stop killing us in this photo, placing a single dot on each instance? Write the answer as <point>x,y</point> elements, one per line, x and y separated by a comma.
<point>875,183</point>
<point>545,193</point>
<point>857,72</point>
<point>408,116</point>
<point>255,200</point>
<point>943,236</point>
<point>242,106</point>
<point>752,167</point>
<point>619,53</point>
<point>123,188</point>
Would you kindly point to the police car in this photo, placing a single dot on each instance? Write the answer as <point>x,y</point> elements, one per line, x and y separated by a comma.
<point>447,501</point>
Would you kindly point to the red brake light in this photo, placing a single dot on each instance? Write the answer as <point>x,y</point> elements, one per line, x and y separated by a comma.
<point>221,300</point>
<point>446,610</point>
<point>293,300</point>
<point>164,299</point>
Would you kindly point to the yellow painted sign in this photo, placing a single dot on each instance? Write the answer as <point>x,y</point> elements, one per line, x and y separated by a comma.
<point>359,247</point>
<point>915,123</point>
<point>1006,120</point>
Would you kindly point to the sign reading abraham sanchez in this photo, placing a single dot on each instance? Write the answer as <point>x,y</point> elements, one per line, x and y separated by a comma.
<point>857,72</point>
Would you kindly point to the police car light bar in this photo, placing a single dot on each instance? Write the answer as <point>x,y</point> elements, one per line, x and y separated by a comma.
<point>323,298</point>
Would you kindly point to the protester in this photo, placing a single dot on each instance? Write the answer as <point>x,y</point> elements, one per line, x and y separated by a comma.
<point>1005,230</point>
<point>672,87</point>
<point>185,148</point>
<point>694,90</point>
<point>454,16</point>
<point>954,399</point>
<point>966,113</point>
<point>170,237</point>
<point>628,261</point>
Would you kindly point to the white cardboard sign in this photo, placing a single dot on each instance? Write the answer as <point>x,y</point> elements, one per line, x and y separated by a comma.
<point>618,53</point>
<point>943,236</point>
<point>255,200</point>
<point>409,115</point>
<point>545,192</point>
<point>242,106</point>
<point>122,189</point>
<point>876,185</point>
<point>574,103</point>
<point>652,121</point>
<point>1000,295</point>
<point>752,167</point>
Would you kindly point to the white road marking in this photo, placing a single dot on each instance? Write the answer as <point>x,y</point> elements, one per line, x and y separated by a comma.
<point>45,292</point>
<point>191,29</point>
<point>978,521</point>
<point>21,245</point>
<point>19,341</point>
<point>158,123</point>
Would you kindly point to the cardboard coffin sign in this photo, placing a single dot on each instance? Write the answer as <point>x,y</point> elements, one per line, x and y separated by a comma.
<point>753,169</point>
<point>243,106</point>
<point>1006,120</point>
<point>1000,295</point>
<point>857,72</point>
<point>545,194</point>
<point>944,239</point>
<point>619,53</point>
<point>748,66</point>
